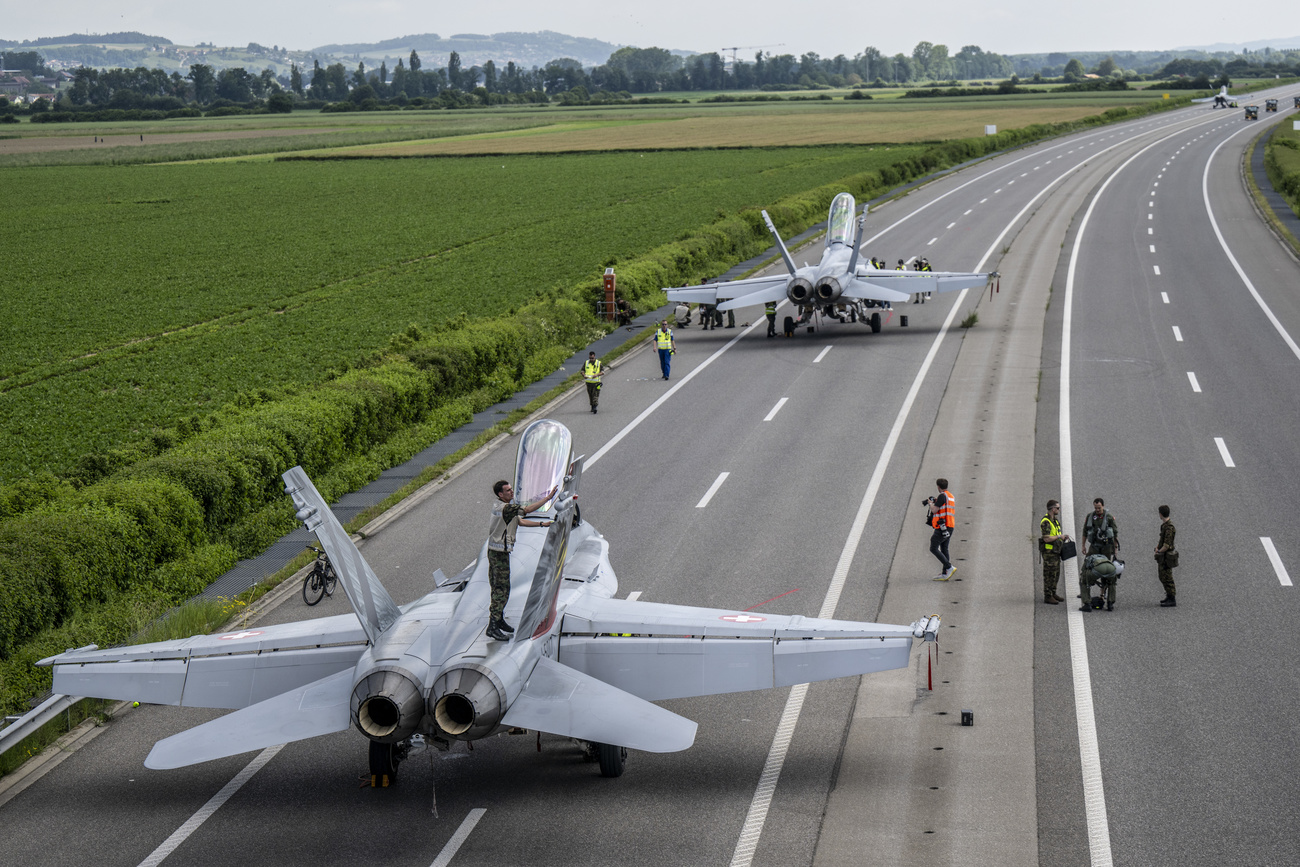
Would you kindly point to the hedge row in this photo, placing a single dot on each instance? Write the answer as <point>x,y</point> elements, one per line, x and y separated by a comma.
<point>1282,164</point>
<point>74,548</point>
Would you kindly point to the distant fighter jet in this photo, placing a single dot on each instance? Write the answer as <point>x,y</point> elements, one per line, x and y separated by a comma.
<point>838,286</point>
<point>581,664</point>
<point>1220,100</point>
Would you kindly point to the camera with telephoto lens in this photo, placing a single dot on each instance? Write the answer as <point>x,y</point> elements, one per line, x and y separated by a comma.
<point>928,501</point>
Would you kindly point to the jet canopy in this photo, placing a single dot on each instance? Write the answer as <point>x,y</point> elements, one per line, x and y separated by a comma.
<point>839,226</point>
<point>543,461</point>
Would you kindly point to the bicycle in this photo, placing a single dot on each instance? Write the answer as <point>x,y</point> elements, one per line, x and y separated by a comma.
<point>320,580</point>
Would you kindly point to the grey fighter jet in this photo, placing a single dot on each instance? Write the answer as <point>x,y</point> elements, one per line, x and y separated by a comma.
<point>581,663</point>
<point>838,287</point>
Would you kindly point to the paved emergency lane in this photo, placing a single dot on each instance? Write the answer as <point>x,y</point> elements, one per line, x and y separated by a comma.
<point>1179,395</point>
<point>773,531</point>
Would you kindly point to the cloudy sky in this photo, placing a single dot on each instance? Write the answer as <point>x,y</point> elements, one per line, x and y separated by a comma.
<point>1003,26</point>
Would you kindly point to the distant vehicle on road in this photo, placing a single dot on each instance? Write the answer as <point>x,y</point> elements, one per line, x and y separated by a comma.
<point>1270,105</point>
<point>1252,112</point>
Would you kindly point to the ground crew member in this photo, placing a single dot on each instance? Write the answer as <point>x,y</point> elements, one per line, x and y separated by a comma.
<point>592,371</point>
<point>682,314</point>
<point>667,346</point>
<point>1100,536</point>
<point>1050,539</point>
<point>731,318</point>
<point>1164,545</point>
<point>770,309</point>
<point>706,316</point>
<point>943,518</point>
<point>507,517</point>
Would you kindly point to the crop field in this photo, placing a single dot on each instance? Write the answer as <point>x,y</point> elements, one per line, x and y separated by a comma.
<point>138,295</point>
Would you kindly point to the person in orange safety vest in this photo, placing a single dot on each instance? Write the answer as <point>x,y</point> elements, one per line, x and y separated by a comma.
<point>943,518</point>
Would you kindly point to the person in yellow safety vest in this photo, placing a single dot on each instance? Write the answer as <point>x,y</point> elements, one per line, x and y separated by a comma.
<point>943,518</point>
<point>667,346</point>
<point>1050,538</point>
<point>592,371</point>
<point>770,310</point>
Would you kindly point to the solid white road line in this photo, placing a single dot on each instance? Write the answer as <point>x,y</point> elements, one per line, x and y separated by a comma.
<point>458,839</point>
<point>821,355</point>
<point>1196,386</point>
<point>771,415</point>
<point>214,803</point>
<point>1223,452</point>
<point>713,489</point>
<point>1273,558</point>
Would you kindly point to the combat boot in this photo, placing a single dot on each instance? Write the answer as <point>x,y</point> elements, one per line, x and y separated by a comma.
<point>1168,602</point>
<point>503,626</point>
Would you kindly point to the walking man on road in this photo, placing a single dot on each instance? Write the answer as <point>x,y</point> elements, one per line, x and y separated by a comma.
<point>943,518</point>
<point>1165,561</point>
<point>666,346</point>
<point>592,373</point>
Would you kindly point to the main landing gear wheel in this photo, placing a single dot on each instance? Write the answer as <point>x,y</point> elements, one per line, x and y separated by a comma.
<point>875,323</point>
<point>384,759</point>
<point>612,758</point>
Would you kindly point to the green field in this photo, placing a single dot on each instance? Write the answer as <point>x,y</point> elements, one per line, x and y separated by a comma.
<point>138,295</point>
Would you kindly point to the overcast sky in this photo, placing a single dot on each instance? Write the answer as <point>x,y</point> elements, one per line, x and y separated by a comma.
<point>1003,26</point>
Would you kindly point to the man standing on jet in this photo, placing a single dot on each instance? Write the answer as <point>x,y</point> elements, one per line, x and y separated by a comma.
<point>507,517</point>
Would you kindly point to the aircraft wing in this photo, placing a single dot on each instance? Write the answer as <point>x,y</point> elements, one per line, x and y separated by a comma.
<point>561,701</point>
<point>907,282</point>
<point>319,708</point>
<point>229,669</point>
<point>709,293</point>
<point>658,651</point>
<point>871,290</point>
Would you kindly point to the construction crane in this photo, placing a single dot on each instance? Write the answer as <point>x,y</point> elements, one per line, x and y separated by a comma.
<point>734,48</point>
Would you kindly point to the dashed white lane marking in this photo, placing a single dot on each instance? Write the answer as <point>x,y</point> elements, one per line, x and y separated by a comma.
<point>1273,558</point>
<point>1157,267</point>
<point>1153,248</point>
<point>932,240</point>
<point>1223,452</point>
<point>713,489</point>
<point>1150,231</point>
<point>1164,296</point>
<point>1196,386</point>
<point>1151,216</point>
<point>634,596</point>
<point>458,839</point>
<point>214,803</point>
<point>1178,335</point>
<point>771,415</point>
<point>967,214</point>
<point>950,225</point>
<point>821,355</point>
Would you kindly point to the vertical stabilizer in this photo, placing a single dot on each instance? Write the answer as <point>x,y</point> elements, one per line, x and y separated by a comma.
<point>375,608</point>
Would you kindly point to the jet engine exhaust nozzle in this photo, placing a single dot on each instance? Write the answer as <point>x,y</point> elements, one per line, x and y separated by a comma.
<point>799,291</point>
<point>387,705</point>
<point>467,702</point>
<point>828,290</point>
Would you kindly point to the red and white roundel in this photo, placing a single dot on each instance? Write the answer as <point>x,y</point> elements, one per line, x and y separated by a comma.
<point>245,634</point>
<point>743,618</point>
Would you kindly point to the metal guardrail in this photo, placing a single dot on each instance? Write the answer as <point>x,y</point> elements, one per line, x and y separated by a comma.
<point>18,730</point>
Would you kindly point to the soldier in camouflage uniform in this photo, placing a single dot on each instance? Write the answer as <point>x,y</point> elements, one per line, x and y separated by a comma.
<point>507,517</point>
<point>1164,545</point>
<point>1100,536</point>
<point>1050,539</point>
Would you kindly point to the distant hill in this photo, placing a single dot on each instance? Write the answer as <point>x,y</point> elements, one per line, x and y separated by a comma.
<point>1290,42</point>
<point>129,37</point>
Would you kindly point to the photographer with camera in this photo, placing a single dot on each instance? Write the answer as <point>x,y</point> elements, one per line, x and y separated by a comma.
<point>942,516</point>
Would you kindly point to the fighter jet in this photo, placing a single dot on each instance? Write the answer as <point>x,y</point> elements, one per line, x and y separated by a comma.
<point>838,286</point>
<point>1220,100</point>
<point>581,664</point>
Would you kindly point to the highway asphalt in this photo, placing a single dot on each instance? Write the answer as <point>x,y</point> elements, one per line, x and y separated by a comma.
<point>1193,707</point>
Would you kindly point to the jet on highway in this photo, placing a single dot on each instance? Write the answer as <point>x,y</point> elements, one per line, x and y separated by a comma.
<point>1220,100</point>
<point>838,286</point>
<point>581,663</point>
